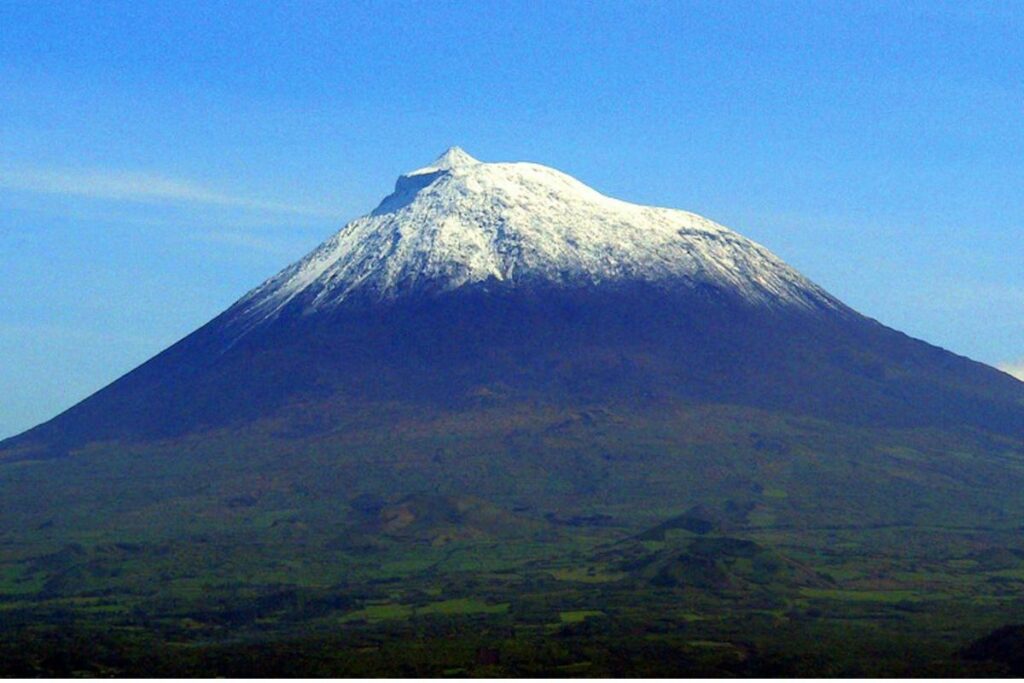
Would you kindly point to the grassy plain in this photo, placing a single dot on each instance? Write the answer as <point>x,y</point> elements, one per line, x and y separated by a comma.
<point>699,543</point>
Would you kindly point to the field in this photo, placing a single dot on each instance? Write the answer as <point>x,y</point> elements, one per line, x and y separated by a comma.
<point>612,605</point>
<point>240,558</point>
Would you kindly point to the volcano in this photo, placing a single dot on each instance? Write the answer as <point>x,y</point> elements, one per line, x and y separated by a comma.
<point>504,410</point>
<point>514,284</point>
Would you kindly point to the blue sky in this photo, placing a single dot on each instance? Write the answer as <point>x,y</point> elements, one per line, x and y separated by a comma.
<point>157,160</point>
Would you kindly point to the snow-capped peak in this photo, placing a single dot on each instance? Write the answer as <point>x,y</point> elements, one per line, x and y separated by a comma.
<point>453,157</point>
<point>459,221</point>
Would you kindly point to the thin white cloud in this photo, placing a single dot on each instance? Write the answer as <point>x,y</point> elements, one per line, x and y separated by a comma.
<point>138,187</point>
<point>246,240</point>
<point>1015,368</point>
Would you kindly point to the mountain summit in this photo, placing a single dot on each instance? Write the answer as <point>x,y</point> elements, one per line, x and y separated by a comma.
<point>460,222</point>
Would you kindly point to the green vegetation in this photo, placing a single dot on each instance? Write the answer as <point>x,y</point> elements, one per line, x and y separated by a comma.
<point>385,612</point>
<point>228,558</point>
<point>710,604</point>
<point>576,616</point>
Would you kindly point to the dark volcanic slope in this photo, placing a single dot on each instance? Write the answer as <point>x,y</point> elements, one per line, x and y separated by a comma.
<point>622,344</point>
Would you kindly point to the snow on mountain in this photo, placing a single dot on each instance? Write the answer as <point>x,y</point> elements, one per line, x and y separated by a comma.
<point>459,221</point>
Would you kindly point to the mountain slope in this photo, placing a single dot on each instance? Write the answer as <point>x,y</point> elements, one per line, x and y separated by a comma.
<point>503,409</point>
<point>518,281</point>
